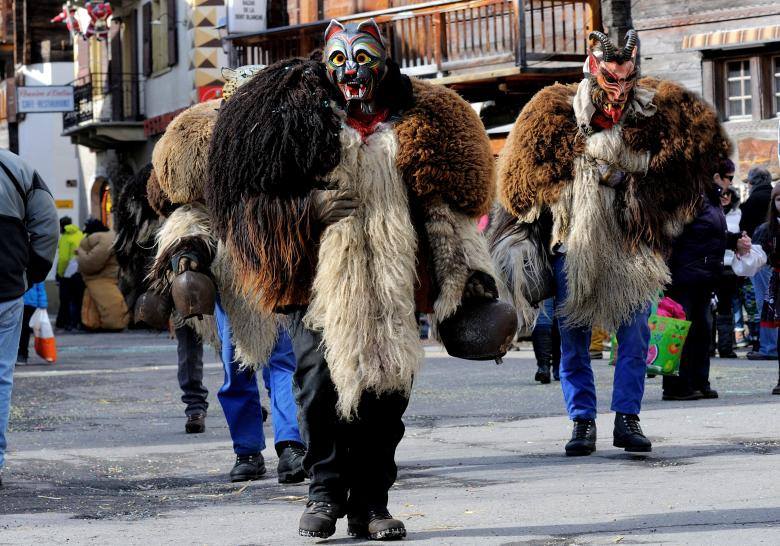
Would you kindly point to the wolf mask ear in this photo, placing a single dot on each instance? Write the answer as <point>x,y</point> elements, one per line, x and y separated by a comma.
<point>371,28</point>
<point>332,29</point>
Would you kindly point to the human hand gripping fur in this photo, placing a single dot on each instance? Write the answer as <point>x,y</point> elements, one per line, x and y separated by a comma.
<point>330,206</point>
<point>480,286</point>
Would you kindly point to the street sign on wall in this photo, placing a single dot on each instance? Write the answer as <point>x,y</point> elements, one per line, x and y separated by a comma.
<point>245,15</point>
<point>37,99</point>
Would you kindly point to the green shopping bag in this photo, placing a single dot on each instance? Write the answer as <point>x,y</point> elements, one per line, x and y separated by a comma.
<point>667,337</point>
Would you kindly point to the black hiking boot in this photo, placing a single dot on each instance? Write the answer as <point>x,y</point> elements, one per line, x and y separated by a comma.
<point>583,438</point>
<point>290,467</point>
<point>776,390</point>
<point>319,519</point>
<point>375,524</point>
<point>196,423</point>
<point>248,467</point>
<point>628,434</point>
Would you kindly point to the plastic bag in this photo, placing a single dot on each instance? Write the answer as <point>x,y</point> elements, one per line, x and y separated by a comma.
<point>748,265</point>
<point>45,346</point>
<point>71,269</point>
<point>667,338</point>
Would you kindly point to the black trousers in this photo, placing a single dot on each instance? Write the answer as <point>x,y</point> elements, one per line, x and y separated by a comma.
<point>695,360</point>
<point>190,351</point>
<point>351,463</point>
<point>71,293</point>
<point>24,337</point>
<point>726,289</point>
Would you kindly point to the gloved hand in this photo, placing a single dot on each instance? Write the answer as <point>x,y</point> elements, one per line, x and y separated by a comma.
<point>330,206</point>
<point>480,286</point>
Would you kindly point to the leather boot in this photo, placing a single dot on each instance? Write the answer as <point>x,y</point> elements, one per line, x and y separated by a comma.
<point>542,342</point>
<point>376,524</point>
<point>248,467</point>
<point>776,390</point>
<point>583,438</point>
<point>290,467</point>
<point>319,519</point>
<point>628,434</point>
<point>196,423</point>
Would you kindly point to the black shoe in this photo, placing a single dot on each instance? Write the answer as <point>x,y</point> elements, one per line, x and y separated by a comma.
<point>248,467</point>
<point>628,434</point>
<point>264,413</point>
<point>290,467</point>
<point>376,524</point>
<point>542,374</point>
<point>732,354</point>
<point>319,519</point>
<point>692,395</point>
<point>556,369</point>
<point>583,438</point>
<point>776,390</point>
<point>21,360</point>
<point>196,423</point>
<point>755,355</point>
<point>708,393</point>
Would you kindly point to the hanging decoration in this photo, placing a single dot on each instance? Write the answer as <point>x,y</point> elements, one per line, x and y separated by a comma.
<point>96,25</point>
<point>68,16</point>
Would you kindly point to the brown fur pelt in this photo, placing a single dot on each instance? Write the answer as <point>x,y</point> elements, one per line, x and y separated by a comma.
<point>180,157</point>
<point>539,152</point>
<point>157,198</point>
<point>443,150</point>
<point>683,137</point>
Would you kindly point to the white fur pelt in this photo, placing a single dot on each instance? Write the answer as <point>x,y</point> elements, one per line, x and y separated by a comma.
<point>363,289</point>
<point>607,280</point>
<point>254,332</point>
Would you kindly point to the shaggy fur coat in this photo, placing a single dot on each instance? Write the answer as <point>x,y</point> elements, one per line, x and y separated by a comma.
<point>669,144</point>
<point>176,192</point>
<point>422,178</point>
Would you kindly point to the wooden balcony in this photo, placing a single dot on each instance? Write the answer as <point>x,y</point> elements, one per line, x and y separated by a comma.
<point>454,40</point>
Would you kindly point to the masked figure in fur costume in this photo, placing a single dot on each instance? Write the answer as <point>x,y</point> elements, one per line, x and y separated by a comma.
<point>348,195</point>
<point>614,167</point>
<point>242,334</point>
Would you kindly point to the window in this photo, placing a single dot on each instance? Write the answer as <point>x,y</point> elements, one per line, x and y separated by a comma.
<point>159,36</point>
<point>738,95</point>
<point>776,78</point>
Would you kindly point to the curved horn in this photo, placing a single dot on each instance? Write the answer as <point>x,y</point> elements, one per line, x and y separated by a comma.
<point>606,44</point>
<point>631,40</point>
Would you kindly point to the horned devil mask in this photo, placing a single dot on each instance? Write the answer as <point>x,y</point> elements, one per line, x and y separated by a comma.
<point>614,73</point>
<point>355,57</point>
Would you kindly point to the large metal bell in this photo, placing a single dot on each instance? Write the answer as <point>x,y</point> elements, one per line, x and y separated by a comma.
<point>479,330</point>
<point>153,310</point>
<point>194,294</point>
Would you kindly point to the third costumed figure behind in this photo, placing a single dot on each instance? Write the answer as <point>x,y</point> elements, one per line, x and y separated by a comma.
<point>348,195</point>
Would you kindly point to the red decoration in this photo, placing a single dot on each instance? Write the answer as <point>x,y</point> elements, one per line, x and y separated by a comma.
<point>68,16</point>
<point>99,12</point>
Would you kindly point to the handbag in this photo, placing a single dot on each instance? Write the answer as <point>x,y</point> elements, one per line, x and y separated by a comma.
<point>664,351</point>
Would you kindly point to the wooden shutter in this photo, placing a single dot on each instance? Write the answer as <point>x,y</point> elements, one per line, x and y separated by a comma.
<point>146,22</point>
<point>173,49</point>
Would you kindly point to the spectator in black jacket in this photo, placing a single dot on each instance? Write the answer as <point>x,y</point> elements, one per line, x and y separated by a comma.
<point>29,227</point>
<point>754,209</point>
<point>696,265</point>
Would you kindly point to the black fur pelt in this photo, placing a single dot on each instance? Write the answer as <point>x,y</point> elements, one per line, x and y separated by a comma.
<point>135,223</point>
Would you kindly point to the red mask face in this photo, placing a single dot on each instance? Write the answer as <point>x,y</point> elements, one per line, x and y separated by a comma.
<point>614,72</point>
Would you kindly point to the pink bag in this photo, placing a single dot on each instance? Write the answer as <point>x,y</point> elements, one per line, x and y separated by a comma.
<point>667,307</point>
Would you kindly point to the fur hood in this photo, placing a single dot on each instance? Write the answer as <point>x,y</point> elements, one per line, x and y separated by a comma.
<point>180,157</point>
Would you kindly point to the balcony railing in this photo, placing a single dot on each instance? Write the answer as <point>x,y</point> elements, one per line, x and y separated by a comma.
<point>438,38</point>
<point>104,97</point>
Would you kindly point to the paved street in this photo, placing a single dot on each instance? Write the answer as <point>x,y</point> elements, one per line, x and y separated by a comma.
<point>98,455</point>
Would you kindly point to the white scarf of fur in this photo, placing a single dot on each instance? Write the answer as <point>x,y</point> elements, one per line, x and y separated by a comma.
<point>254,333</point>
<point>363,290</point>
<point>607,281</point>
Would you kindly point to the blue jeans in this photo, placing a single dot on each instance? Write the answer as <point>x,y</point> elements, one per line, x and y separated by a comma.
<point>579,389</point>
<point>10,328</point>
<point>767,336</point>
<point>240,397</point>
